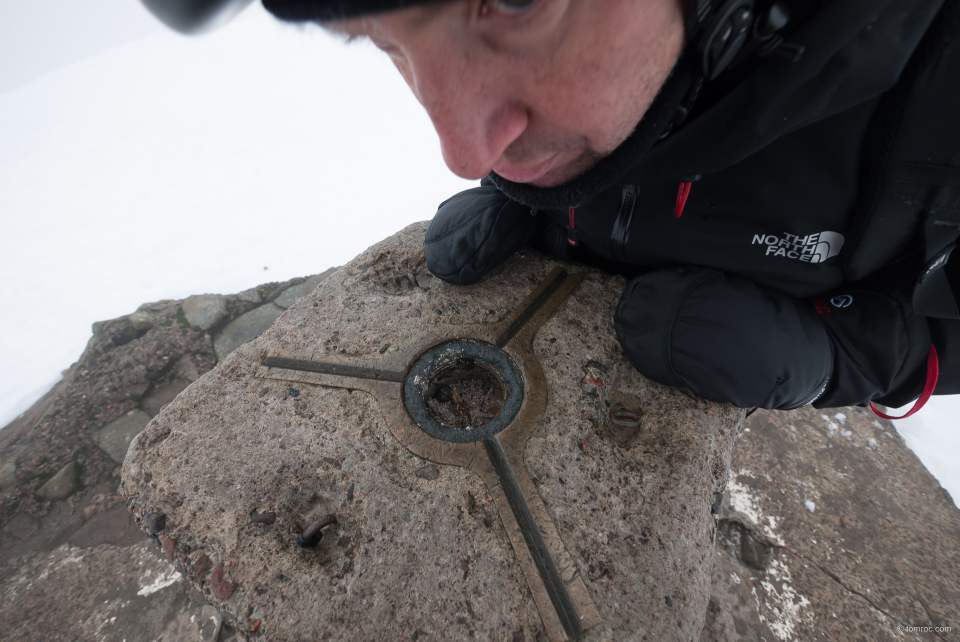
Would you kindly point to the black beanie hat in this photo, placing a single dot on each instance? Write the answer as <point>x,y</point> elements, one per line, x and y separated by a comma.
<point>320,10</point>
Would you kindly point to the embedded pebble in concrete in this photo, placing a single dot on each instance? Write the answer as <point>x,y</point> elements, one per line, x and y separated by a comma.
<point>419,549</point>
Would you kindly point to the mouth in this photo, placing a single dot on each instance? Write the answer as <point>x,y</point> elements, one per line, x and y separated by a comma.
<point>529,173</point>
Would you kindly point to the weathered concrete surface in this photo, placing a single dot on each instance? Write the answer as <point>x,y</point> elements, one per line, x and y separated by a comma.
<point>832,529</point>
<point>424,556</point>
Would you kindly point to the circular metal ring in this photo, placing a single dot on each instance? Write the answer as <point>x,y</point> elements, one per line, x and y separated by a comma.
<point>439,357</point>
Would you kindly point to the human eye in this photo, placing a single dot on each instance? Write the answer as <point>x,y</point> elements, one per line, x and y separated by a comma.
<point>506,6</point>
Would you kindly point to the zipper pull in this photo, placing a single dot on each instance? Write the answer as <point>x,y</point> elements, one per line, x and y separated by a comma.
<point>685,185</point>
<point>572,227</point>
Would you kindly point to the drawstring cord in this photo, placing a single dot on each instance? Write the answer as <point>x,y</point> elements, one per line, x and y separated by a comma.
<point>933,372</point>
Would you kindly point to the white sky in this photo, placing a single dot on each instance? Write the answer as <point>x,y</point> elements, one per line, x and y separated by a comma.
<point>171,166</point>
<point>40,36</point>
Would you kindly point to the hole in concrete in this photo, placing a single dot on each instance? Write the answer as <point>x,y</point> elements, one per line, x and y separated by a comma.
<point>479,373</point>
<point>466,393</point>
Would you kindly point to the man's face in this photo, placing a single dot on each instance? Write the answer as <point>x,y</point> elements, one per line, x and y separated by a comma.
<point>538,91</point>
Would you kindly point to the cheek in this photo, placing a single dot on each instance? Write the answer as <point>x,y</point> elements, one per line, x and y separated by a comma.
<point>601,81</point>
<point>597,106</point>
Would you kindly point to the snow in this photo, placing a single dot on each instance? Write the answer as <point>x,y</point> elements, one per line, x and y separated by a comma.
<point>172,166</point>
<point>811,506</point>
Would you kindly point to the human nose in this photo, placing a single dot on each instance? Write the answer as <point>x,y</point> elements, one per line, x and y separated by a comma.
<point>473,111</point>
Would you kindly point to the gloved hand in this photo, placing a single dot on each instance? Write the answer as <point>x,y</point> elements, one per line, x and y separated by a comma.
<point>730,340</point>
<point>474,232</point>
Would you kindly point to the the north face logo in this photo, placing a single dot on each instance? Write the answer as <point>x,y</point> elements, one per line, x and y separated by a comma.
<point>813,248</point>
<point>841,301</point>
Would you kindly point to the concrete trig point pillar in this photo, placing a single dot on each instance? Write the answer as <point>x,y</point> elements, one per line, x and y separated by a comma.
<point>493,451</point>
<point>602,481</point>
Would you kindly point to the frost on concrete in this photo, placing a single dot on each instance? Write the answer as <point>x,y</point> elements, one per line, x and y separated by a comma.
<point>788,612</point>
<point>744,501</point>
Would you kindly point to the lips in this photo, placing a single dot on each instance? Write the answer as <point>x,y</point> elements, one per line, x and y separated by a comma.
<point>526,173</point>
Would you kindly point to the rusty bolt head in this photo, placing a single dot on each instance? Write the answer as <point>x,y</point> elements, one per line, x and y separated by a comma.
<point>312,536</point>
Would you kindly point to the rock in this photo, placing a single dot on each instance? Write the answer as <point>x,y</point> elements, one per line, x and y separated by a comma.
<point>115,527</point>
<point>61,485</point>
<point>204,311</point>
<point>245,327</point>
<point>185,368</point>
<point>104,593</point>
<point>250,296</point>
<point>115,437</point>
<point>141,320</point>
<point>267,518</point>
<point>606,516</point>
<point>155,522</point>
<point>164,394</point>
<point>289,296</point>
<point>428,472</point>
<point>882,547</point>
<point>209,624</point>
<point>8,473</point>
<point>222,588</point>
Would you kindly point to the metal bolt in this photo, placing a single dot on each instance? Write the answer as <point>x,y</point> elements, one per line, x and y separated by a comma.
<point>312,536</point>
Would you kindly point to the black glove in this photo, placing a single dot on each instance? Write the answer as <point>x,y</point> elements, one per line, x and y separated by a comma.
<point>474,232</point>
<point>730,340</point>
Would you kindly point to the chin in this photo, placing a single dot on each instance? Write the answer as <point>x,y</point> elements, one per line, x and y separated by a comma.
<point>566,173</point>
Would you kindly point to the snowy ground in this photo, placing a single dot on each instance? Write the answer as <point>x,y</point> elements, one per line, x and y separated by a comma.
<point>174,166</point>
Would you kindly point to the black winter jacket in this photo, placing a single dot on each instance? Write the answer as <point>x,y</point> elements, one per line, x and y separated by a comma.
<point>773,157</point>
